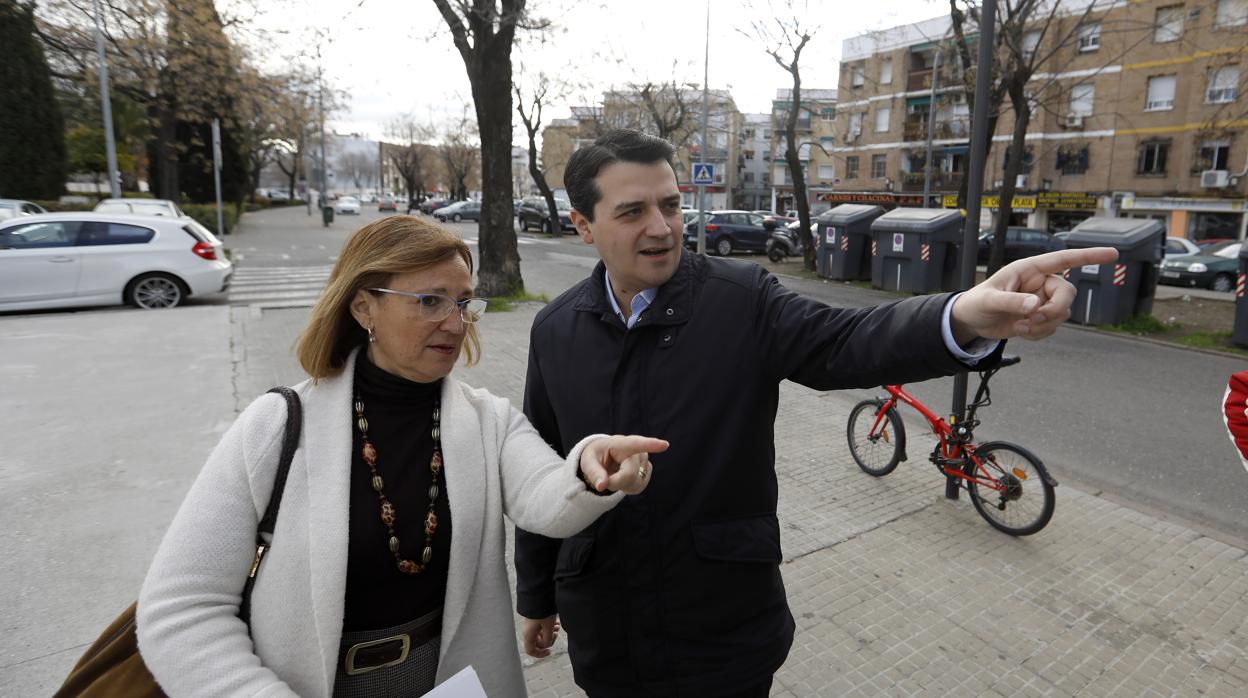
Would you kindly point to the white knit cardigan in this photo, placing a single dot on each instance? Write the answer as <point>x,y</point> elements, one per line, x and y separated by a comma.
<point>189,632</point>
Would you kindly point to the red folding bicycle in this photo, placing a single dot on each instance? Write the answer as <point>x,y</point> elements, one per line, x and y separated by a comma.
<point>1008,484</point>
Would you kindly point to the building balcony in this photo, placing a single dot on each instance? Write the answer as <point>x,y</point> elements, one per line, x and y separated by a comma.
<point>941,181</point>
<point>922,79</point>
<point>915,128</point>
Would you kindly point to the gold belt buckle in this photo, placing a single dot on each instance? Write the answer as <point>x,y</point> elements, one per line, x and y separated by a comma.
<point>352,670</point>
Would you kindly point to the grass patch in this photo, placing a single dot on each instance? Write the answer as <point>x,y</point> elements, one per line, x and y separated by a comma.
<point>1219,341</point>
<point>506,304</point>
<point>1142,325</point>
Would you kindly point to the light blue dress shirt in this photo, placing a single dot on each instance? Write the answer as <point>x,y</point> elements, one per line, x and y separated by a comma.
<point>978,350</point>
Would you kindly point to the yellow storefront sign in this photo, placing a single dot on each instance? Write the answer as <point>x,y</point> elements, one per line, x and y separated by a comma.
<point>1067,200</point>
<point>992,201</point>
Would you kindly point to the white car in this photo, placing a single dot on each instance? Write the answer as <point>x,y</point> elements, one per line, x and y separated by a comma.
<point>141,207</point>
<point>347,204</point>
<point>59,260</point>
<point>12,208</point>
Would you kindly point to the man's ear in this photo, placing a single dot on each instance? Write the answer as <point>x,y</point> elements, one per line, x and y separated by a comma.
<point>362,308</point>
<point>582,226</point>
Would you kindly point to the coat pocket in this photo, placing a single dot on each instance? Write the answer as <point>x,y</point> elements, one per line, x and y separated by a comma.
<point>743,539</point>
<point>574,555</point>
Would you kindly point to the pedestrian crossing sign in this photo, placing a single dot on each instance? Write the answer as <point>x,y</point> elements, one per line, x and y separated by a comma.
<point>703,173</point>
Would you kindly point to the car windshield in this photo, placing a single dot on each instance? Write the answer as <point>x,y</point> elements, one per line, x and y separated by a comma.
<point>349,200</point>
<point>1229,251</point>
<point>1217,248</point>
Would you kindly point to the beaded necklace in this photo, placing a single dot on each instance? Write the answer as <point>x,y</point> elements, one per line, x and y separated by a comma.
<point>369,453</point>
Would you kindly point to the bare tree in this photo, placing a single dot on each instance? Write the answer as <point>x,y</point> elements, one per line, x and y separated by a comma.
<point>412,155</point>
<point>484,32</point>
<point>459,153</point>
<point>783,32</point>
<point>532,120</point>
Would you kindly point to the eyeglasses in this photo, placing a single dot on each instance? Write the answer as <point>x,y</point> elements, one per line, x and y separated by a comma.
<point>436,307</point>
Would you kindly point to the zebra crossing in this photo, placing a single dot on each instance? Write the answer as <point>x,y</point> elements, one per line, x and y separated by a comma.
<point>278,287</point>
<point>295,287</point>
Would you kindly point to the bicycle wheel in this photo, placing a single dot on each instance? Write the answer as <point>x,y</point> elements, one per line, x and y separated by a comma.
<point>877,449</point>
<point>1025,502</point>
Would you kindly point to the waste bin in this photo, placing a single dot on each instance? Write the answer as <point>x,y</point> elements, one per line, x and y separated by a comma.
<point>844,235</point>
<point>1108,294</point>
<point>1240,334</point>
<point>327,214</point>
<point>916,249</point>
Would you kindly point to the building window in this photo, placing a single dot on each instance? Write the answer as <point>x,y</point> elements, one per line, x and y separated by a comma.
<point>1031,40</point>
<point>1072,159</point>
<point>855,125</point>
<point>1223,85</point>
<point>1214,155</point>
<point>749,155</point>
<point>1160,93</point>
<point>1081,99</point>
<point>748,177</point>
<point>1029,159</point>
<point>1231,13</point>
<point>879,164</point>
<point>882,116</point>
<point>857,75</point>
<point>1089,37</point>
<point>778,176</point>
<point>851,167</point>
<point>827,173</point>
<point>886,71</point>
<point>1169,24</point>
<point>828,114</point>
<point>1152,159</point>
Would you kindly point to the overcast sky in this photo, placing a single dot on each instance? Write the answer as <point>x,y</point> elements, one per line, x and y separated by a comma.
<point>396,56</point>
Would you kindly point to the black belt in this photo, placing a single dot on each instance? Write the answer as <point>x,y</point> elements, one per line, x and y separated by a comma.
<point>390,651</point>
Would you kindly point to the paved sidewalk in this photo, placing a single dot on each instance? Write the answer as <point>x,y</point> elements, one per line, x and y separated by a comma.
<point>898,591</point>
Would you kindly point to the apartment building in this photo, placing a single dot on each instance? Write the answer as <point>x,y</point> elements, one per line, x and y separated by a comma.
<point>673,114</point>
<point>816,148</point>
<point>1138,110</point>
<point>755,163</point>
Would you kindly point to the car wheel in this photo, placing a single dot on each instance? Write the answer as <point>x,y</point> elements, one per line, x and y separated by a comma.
<point>724,247</point>
<point>1223,283</point>
<point>152,291</point>
<point>457,218</point>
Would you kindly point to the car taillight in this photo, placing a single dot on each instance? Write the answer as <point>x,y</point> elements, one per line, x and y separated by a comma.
<point>205,250</point>
<point>711,227</point>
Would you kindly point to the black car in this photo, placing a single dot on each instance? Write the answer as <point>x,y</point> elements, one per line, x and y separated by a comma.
<point>532,212</point>
<point>430,205</point>
<point>1020,243</point>
<point>730,230</point>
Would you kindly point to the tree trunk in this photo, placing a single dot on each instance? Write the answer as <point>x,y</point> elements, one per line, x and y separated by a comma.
<point>795,171</point>
<point>499,274</point>
<point>1014,166</point>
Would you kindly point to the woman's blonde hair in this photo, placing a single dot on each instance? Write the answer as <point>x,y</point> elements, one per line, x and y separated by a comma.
<point>371,258</point>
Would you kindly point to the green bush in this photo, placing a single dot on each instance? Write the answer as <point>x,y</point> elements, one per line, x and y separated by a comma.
<point>206,214</point>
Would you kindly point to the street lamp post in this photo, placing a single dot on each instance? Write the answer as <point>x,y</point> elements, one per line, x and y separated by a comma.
<point>931,127</point>
<point>110,146</point>
<point>706,117</point>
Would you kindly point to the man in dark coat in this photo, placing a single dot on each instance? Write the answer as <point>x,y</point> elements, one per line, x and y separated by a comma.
<point>678,592</point>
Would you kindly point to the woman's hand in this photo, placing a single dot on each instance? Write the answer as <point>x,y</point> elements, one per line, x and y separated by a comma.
<point>620,463</point>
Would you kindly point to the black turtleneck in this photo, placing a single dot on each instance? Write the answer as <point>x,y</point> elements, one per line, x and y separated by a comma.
<point>400,417</point>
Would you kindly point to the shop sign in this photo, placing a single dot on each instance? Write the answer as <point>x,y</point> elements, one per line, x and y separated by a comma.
<point>879,198</point>
<point>1174,203</point>
<point>1068,200</point>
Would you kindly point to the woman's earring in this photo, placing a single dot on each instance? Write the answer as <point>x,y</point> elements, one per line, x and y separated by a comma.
<point>372,336</point>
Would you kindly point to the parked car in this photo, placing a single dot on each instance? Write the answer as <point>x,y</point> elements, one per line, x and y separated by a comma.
<point>459,211</point>
<point>141,207</point>
<point>1019,243</point>
<point>727,231</point>
<point>691,216</point>
<point>347,204</point>
<point>1180,247</point>
<point>12,208</point>
<point>1208,243</point>
<point>59,260</point>
<point>533,213</point>
<point>278,195</point>
<point>1215,268</point>
<point>431,205</point>
<point>386,203</point>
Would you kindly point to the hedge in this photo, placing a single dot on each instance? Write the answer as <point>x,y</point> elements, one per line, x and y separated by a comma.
<point>206,214</point>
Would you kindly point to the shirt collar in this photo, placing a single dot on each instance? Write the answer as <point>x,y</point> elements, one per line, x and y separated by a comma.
<point>640,302</point>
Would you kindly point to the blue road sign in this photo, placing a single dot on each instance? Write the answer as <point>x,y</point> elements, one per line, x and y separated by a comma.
<point>703,173</point>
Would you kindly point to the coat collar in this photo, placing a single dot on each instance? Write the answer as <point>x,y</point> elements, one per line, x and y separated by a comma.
<point>327,448</point>
<point>673,305</point>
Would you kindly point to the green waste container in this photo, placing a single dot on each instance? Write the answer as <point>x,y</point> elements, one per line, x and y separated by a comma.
<point>327,214</point>
<point>1108,294</point>
<point>916,249</point>
<point>845,241</point>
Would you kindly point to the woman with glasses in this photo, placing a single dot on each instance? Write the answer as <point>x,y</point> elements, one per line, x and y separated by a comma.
<point>386,573</point>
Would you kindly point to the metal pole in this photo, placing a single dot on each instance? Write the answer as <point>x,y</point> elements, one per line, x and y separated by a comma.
<point>931,128</point>
<point>974,189</point>
<point>320,110</point>
<point>110,145</point>
<point>706,117</point>
<point>302,165</point>
<point>216,173</point>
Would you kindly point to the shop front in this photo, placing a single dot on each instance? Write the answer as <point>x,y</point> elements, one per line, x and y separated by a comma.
<point>1193,218</point>
<point>1054,211</point>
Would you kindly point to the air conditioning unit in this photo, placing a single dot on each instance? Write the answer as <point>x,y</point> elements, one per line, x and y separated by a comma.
<point>851,136</point>
<point>1020,182</point>
<point>1214,179</point>
<point>1074,121</point>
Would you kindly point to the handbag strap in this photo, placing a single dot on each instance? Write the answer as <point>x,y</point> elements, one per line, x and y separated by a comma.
<point>264,531</point>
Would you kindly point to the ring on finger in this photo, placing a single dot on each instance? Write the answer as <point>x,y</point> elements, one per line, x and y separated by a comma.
<point>642,472</point>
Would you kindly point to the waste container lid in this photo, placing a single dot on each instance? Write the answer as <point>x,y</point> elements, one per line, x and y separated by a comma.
<point>850,213</point>
<point>1119,233</point>
<point>945,223</point>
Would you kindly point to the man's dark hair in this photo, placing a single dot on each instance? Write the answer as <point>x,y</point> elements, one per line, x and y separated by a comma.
<point>619,145</point>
